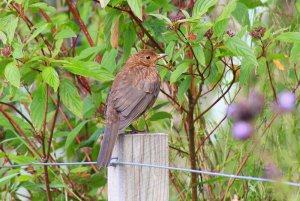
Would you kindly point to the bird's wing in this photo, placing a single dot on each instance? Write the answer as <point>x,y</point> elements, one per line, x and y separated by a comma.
<point>132,98</point>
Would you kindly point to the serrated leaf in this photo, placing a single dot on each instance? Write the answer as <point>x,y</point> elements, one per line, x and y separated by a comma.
<point>10,30</point>
<point>202,7</point>
<point>43,6</point>
<point>70,97</point>
<point>12,74</point>
<point>136,7</point>
<point>51,77</point>
<point>183,87</point>
<point>160,115</point>
<point>38,106</point>
<point>199,53</point>
<point>291,37</point>
<point>72,135</point>
<point>79,169</point>
<point>3,38</point>
<point>21,159</point>
<point>58,45</point>
<point>181,68</point>
<point>128,41</point>
<point>241,14</point>
<point>104,3</point>
<point>37,32</point>
<point>89,52</point>
<point>89,69</point>
<point>65,33</point>
<point>109,60</point>
<point>162,17</point>
<point>240,48</point>
<point>5,179</point>
<point>221,26</point>
<point>18,50</point>
<point>245,72</point>
<point>295,53</point>
<point>227,10</point>
<point>169,50</point>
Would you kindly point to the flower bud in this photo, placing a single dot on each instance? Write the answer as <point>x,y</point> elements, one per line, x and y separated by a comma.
<point>242,130</point>
<point>286,101</point>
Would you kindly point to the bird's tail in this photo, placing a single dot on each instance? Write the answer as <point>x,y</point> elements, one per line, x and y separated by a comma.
<point>108,143</point>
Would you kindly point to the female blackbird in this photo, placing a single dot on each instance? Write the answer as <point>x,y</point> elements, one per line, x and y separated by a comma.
<point>133,91</point>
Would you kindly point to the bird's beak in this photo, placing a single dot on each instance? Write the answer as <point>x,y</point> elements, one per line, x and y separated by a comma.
<point>159,56</point>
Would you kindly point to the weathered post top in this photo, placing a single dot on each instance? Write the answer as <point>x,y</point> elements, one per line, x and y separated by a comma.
<point>130,183</point>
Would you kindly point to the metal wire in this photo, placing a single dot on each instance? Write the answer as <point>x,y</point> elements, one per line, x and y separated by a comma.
<point>115,163</point>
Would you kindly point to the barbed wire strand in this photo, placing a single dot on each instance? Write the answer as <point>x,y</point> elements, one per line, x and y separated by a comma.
<point>115,163</point>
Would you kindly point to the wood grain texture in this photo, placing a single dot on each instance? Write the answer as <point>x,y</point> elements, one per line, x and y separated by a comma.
<point>131,183</point>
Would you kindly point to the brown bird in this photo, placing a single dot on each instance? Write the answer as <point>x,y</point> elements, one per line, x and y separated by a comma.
<point>133,91</point>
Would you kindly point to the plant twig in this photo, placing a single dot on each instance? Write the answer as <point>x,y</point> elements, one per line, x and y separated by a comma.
<point>82,26</point>
<point>19,112</point>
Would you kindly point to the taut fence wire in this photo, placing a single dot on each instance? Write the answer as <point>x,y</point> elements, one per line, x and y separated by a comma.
<point>115,163</point>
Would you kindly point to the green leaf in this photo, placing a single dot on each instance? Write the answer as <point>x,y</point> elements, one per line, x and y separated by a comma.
<point>241,14</point>
<point>136,7</point>
<point>10,30</point>
<point>109,60</point>
<point>18,50</point>
<point>70,97</point>
<point>291,37</point>
<point>89,52</point>
<point>51,77</point>
<point>169,50</point>
<point>43,6</point>
<point>79,170</point>
<point>162,17</point>
<point>295,53</point>
<point>65,33</point>
<point>128,41</point>
<point>37,32</point>
<point>183,87</point>
<point>89,69</point>
<point>12,74</point>
<point>160,115</point>
<point>221,26</point>
<point>3,38</point>
<point>72,135</point>
<point>202,7</point>
<point>181,68</point>
<point>227,10</point>
<point>252,3</point>
<point>58,45</point>
<point>245,72</point>
<point>199,53</point>
<point>38,106</point>
<point>104,3</point>
<point>6,179</point>
<point>21,159</point>
<point>240,48</point>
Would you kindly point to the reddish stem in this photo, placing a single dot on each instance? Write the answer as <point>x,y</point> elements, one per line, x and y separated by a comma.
<point>82,26</point>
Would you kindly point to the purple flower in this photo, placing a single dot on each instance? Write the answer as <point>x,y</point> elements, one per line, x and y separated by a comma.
<point>272,172</point>
<point>246,110</point>
<point>286,101</point>
<point>232,111</point>
<point>242,130</point>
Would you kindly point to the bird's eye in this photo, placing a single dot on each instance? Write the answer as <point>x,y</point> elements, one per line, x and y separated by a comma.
<point>147,57</point>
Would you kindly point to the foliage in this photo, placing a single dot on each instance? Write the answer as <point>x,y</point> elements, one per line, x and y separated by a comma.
<point>58,60</point>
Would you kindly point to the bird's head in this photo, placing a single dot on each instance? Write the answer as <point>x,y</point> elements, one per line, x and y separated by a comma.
<point>146,58</point>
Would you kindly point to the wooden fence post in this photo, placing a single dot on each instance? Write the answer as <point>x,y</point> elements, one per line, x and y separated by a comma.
<point>131,183</point>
